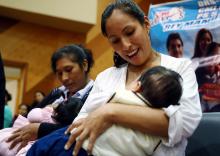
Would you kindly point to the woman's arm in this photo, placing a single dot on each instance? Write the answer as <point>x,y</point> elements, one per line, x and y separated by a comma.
<point>126,115</point>
<point>176,122</point>
<point>144,119</point>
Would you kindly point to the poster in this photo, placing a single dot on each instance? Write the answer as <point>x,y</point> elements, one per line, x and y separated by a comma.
<point>197,24</point>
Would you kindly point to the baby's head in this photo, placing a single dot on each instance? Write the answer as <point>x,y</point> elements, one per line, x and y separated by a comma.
<point>160,86</point>
<point>66,112</point>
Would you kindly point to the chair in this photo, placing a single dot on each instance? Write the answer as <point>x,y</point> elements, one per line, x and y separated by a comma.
<point>206,139</point>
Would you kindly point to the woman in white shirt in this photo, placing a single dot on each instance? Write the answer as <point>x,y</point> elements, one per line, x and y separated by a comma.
<point>126,28</point>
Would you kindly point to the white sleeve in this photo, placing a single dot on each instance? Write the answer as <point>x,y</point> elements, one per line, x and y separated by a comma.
<point>184,119</point>
<point>97,97</point>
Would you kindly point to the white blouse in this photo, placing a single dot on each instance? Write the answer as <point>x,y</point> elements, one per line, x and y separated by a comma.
<point>183,119</point>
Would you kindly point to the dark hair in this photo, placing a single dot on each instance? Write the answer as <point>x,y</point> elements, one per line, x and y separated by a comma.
<point>211,47</point>
<point>42,93</point>
<point>127,6</point>
<point>7,95</point>
<point>67,111</point>
<point>201,32</point>
<point>76,53</point>
<point>161,86</point>
<point>118,60</point>
<point>173,36</point>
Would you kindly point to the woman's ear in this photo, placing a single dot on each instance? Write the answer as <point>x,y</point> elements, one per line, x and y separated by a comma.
<point>136,87</point>
<point>147,23</point>
<point>85,65</point>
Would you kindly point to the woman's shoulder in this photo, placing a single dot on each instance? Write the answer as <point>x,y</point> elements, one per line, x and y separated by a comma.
<point>175,63</point>
<point>175,60</point>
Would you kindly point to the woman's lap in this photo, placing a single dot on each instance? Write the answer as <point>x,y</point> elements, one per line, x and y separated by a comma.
<point>53,144</point>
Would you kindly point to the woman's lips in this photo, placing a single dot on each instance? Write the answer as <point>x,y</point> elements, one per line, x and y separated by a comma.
<point>133,53</point>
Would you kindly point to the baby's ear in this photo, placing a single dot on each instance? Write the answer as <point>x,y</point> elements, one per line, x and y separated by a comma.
<point>136,87</point>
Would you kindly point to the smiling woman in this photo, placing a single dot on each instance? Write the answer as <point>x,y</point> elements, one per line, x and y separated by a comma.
<point>126,28</point>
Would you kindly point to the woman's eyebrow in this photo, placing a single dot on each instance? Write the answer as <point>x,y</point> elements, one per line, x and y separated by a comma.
<point>123,30</point>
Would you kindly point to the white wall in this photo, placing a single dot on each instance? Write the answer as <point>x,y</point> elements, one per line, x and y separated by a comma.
<point>76,10</point>
<point>12,87</point>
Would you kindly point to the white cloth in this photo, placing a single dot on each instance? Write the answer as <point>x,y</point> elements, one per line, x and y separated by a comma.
<point>183,119</point>
<point>117,140</point>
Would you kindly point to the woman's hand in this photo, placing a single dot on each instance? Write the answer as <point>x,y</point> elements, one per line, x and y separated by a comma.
<point>24,135</point>
<point>91,127</point>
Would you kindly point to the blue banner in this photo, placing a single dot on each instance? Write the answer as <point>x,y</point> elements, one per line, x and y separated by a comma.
<point>186,18</point>
<point>191,29</point>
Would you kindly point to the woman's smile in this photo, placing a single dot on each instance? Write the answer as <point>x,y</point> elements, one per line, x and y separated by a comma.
<point>133,53</point>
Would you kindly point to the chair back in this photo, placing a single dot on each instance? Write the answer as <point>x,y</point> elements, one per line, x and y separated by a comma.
<point>205,141</point>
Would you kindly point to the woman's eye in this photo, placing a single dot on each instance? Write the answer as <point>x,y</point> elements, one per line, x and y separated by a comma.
<point>68,69</point>
<point>130,32</point>
<point>114,41</point>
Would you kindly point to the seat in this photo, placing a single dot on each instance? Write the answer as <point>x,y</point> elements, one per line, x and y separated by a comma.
<point>206,139</point>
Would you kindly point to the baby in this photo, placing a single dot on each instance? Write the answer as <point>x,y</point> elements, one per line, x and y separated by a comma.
<point>158,87</point>
<point>63,113</point>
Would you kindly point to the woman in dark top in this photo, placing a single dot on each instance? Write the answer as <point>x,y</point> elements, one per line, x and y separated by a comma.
<point>71,64</point>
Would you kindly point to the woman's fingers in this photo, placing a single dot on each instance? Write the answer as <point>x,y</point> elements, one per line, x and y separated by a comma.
<point>15,141</point>
<point>74,125</point>
<point>79,141</point>
<point>73,137</point>
<point>69,129</point>
<point>23,144</point>
<point>12,137</point>
<point>16,131</point>
<point>92,140</point>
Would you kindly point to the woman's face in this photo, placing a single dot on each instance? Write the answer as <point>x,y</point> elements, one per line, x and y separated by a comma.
<point>70,74</point>
<point>39,97</point>
<point>23,110</point>
<point>128,37</point>
<point>175,48</point>
<point>204,42</point>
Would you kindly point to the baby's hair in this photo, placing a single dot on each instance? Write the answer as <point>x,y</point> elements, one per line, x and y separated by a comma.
<point>161,86</point>
<point>67,111</point>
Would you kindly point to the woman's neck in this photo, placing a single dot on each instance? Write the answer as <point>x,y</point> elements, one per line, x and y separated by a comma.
<point>82,86</point>
<point>135,71</point>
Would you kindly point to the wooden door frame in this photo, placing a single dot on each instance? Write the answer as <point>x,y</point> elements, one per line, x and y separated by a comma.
<point>22,80</point>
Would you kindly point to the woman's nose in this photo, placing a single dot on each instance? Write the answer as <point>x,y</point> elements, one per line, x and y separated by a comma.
<point>65,76</point>
<point>126,44</point>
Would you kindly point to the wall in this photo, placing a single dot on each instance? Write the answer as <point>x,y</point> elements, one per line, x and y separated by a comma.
<point>34,45</point>
<point>69,14</point>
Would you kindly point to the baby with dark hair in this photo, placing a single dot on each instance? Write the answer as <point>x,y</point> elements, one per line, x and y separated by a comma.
<point>161,87</point>
<point>63,113</point>
<point>158,87</point>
